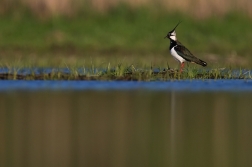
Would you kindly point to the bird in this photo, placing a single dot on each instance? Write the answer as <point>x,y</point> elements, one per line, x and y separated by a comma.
<point>180,52</point>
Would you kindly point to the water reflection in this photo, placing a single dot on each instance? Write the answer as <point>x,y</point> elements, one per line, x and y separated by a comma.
<point>125,128</point>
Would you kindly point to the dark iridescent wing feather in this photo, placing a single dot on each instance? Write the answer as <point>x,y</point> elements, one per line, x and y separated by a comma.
<point>187,55</point>
<point>184,52</point>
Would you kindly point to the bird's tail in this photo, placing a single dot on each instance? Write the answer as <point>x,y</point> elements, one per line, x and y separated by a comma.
<point>201,62</point>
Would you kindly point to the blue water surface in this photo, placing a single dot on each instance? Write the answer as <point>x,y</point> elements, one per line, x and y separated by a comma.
<point>177,85</point>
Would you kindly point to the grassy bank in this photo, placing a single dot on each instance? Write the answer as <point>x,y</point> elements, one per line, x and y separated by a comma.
<point>120,73</point>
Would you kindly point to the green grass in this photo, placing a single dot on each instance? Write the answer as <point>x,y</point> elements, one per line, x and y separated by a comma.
<point>121,72</point>
<point>127,31</point>
<point>124,38</point>
<point>123,30</point>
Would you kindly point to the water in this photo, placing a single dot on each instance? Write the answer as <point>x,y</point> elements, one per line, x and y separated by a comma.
<point>183,85</point>
<point>173,85</point>
<point>107,123</point>
<point>124,127</point>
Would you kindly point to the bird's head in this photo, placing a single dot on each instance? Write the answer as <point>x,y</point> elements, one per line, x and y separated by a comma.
<point>172,34</point>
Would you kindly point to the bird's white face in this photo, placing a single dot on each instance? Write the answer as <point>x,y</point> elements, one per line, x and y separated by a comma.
<point>173,36</point>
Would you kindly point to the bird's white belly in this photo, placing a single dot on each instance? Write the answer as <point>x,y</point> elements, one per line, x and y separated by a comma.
<point>176,56</point>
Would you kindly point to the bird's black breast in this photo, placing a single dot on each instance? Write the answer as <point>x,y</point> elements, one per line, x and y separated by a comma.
<point>172,44</point>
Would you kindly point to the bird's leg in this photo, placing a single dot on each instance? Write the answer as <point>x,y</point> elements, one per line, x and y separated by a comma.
<point>182,66</point>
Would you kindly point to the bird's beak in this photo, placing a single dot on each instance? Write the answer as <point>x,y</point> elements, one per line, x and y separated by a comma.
<point>166,36</point>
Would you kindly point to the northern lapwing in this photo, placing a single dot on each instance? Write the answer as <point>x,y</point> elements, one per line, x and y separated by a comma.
<point>180,52</point>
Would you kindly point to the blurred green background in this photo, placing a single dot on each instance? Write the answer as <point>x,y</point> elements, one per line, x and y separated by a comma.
<point>76,32</point>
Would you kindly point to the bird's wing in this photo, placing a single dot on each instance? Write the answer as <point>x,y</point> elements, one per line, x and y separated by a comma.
<point>184,52</point>
<point>187,55</point>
